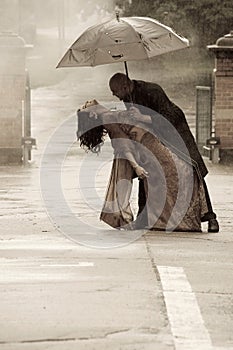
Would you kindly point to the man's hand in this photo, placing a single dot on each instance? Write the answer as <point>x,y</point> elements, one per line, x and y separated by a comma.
<point>135,113</point>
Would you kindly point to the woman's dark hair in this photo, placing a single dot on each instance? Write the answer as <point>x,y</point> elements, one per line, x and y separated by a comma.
<point>90,132</point>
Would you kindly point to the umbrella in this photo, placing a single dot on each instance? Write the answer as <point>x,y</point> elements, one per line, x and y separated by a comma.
<point>120,40</point>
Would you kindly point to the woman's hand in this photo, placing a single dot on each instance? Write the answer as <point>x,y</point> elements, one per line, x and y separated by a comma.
<point>141,172</point>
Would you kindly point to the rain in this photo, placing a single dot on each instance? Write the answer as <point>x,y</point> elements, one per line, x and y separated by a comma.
<point>68,280</point>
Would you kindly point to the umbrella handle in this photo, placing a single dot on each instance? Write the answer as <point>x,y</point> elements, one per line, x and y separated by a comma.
<point>118,16</point>
<point>126,69</point>
<point>127,74</point>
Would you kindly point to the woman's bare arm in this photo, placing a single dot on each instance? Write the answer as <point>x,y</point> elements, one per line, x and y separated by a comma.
<point>124,147</point>
<point>140,171</point>
<point>120,140</point>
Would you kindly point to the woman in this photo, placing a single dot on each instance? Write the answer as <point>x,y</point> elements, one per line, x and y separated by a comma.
<point>174,194</point>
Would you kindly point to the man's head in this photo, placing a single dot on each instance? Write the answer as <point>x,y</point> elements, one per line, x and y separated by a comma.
<point>121,86</point>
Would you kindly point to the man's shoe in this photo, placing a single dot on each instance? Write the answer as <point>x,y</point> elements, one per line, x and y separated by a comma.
<point>213,225</point>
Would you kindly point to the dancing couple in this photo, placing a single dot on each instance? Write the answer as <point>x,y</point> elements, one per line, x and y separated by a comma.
<point>172,191</point>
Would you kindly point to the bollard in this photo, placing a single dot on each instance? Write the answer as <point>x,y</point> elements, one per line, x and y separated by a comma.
<point>28,143</point>
<point>213,144</point>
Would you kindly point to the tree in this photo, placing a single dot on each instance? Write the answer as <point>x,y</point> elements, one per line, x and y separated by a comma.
<point>202,21</point>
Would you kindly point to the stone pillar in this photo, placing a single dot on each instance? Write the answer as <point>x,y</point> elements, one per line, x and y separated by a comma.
<point>223,105</point>
<point>12,91</point>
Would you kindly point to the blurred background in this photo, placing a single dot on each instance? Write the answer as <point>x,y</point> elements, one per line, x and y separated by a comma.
<point>34,35</point>
<point>50,26</point>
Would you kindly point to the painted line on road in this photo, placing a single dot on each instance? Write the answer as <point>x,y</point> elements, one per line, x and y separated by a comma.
<point>27,264</point>
<point>187,325</point>
<point>33,273</point>
<point>80,264</point>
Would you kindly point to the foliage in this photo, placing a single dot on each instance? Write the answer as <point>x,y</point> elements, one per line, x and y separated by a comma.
<point>201,21</point>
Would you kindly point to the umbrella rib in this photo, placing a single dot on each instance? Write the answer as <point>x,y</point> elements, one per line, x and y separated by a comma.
<point>100,37</point>
<point>131,27</point>
<point>71,54</point>
<point>138,34</point>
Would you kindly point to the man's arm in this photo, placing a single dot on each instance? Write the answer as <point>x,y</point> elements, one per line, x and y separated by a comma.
<point>133,115</point>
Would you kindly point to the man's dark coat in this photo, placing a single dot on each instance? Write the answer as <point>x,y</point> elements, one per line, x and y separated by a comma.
<point>151,95</point>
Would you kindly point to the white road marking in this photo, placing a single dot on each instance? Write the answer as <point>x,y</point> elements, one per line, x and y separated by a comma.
<point>80,264</point>
<point>26,264</point>
<point>185,318</point>
<point>33,272</point>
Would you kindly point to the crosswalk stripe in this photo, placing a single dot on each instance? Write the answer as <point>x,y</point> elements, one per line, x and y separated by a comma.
<point>187,325</point>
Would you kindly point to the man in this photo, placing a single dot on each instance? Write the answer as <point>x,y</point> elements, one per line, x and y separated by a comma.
<point>151,95</point>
